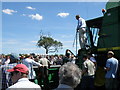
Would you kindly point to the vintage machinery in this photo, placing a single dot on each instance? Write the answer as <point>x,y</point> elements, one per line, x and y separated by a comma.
<point>103,34</point>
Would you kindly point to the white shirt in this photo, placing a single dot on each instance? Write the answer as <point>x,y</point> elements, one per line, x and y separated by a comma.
<point>7,61</point>
<point>89,65</point>
<point>44,61</point>
<point>24,83</point>
<point>29,63</point>
<point>81,23</point>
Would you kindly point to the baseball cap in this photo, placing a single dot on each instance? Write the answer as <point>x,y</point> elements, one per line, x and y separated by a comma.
<point>14,56</point>
<point>111,52</point>
<point>19,67</point>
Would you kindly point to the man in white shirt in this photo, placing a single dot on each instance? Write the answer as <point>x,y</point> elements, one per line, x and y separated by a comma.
<point>44,71</point>
<point>92,58</point>
<point>7,61</point>
<point>88,72</point>
<point>19,78</point>
<point>81,28</point>
<point>29,63</point>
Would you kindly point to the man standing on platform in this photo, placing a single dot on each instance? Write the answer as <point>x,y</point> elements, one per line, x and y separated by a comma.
<point>81,28</point>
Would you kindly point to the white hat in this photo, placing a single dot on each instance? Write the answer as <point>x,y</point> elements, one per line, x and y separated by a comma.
<point>111,52</point>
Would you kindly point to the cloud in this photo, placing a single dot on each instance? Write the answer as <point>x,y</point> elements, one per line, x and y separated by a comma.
<point>36,17</point>
<point>8,11</point>
<point>63,14</point>
<point>31,8</point>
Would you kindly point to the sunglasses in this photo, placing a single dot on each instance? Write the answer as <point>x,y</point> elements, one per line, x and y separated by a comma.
<point>12,73</point>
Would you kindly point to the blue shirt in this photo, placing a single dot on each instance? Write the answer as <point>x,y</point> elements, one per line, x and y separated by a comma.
<point>111,63</point>
<point>81,23</point>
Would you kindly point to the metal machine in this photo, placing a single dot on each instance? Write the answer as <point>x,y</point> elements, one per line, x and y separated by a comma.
<point>104,32</point>
<point>103,35</point>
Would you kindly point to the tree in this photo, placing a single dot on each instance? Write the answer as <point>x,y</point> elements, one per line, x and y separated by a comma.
<point>49,44</point>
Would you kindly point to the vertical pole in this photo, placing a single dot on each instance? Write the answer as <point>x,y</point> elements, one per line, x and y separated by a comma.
<point>76,42</point>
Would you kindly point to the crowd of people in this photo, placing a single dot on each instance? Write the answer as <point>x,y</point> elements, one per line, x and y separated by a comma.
<point>18,70</point>
<point>42,61</point>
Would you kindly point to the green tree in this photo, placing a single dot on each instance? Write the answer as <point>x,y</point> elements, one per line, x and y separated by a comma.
<point>49,44</point>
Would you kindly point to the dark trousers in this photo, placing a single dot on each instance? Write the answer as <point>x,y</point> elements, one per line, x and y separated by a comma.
<point>32,80</point>
<point>43,79</point>
<point>87,83</point>
<point>111,84</point>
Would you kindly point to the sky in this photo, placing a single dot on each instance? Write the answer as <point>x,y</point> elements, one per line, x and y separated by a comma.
<point>23,21</point>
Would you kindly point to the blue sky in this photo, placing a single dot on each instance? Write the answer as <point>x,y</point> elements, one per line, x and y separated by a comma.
<point>23,21</point>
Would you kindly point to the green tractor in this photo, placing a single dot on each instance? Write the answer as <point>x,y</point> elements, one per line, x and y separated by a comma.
<point>103,35</point>
<point>104,32</point>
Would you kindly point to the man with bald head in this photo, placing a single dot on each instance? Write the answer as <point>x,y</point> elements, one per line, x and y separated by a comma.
<point>81,28</point>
